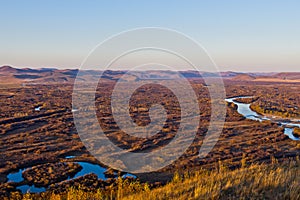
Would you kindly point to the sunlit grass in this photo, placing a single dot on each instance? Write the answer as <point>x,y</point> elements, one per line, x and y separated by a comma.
<point>253,182</point>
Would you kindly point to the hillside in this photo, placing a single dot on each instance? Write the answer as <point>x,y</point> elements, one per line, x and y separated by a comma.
<point>253,182</point>
<point>243,77</point>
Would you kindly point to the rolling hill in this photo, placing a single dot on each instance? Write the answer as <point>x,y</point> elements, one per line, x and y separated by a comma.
<point>10,74</point>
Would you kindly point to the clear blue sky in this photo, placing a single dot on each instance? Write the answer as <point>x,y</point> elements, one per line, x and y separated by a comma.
<point>257,35</point>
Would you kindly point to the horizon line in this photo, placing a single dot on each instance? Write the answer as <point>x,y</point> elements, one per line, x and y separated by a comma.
<point>70,68</point>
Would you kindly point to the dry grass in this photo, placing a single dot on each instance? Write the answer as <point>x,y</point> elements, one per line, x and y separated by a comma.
<point>254,182</point>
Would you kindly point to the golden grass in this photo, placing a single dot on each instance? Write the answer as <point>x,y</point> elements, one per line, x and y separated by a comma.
<point>254,182</point>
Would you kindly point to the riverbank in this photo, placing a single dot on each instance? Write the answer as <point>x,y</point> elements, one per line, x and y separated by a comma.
<point>272,181</point>
<point>275,117</point>
<point>244,107</point>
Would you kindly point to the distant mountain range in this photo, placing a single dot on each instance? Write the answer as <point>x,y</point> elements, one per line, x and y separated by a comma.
<point>10,74</point>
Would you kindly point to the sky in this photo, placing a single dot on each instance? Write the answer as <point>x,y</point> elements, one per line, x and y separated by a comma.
<point>249,36</point>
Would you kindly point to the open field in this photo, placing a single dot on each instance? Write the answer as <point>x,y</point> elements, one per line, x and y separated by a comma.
<point>37,130</point>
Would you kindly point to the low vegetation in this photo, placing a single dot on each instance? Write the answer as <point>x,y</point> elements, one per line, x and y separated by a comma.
<point>296,132</point>
<point>44,175</point>
<point>256,181</point>
<point>37,130</point>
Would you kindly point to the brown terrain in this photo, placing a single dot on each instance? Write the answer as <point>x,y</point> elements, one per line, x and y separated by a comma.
<point>37,128</point>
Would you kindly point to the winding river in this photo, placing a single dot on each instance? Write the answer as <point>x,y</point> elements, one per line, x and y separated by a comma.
<point>87,168</point>
<point>245,110</point>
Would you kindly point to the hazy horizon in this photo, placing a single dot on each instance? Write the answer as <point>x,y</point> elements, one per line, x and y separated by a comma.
<point>241,36</point>
<point>119,69</point>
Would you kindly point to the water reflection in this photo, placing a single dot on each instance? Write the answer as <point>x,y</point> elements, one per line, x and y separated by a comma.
<point>87,168</point>
<point>15,176</point>
<point>245,110</point>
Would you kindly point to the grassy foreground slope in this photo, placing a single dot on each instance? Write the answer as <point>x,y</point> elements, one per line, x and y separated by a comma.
<point>272,181</point>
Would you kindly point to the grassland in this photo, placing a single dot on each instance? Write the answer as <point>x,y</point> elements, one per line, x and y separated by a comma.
<point>41,140</point>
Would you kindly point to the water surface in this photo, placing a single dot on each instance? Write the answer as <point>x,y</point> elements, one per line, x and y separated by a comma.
<point>245,110</point>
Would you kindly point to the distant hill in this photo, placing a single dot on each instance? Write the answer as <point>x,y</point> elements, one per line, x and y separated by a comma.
<point>288,75</point>
<point>52,75</point>
<point>243,77</point>
<point>43,75</point>
<point>11,70</point>
<point>8,69</point>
